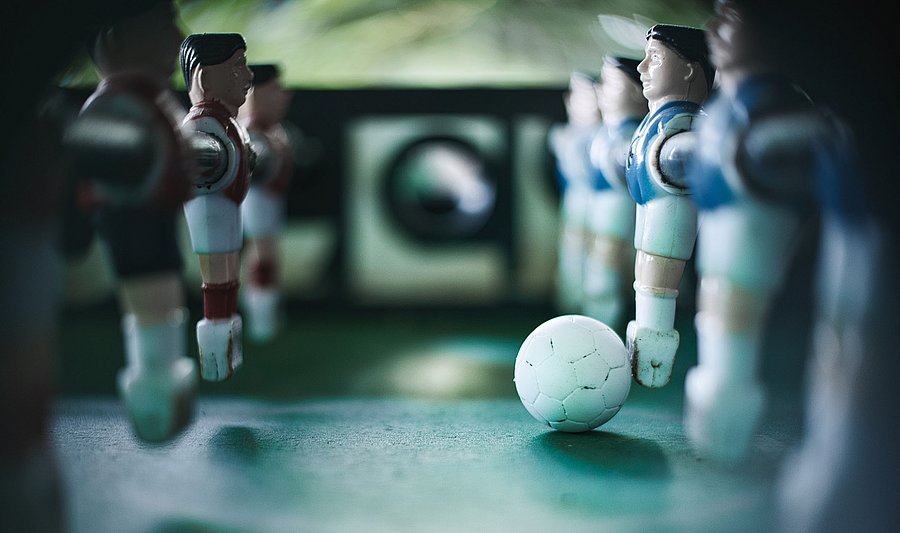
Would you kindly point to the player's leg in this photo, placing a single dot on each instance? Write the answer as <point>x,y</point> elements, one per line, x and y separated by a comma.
<point>609,262</point>
<point>158,381</point>
<point>668,228</point>
<point>572,249</point>
<point>219,333</point>
<point>745,249</point>
<point>263,216</point>
<point>214,223</point>
<point>843,477</point>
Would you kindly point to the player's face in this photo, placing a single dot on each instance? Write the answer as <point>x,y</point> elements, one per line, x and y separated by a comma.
<point>284,100</point>
<point>241,76</point>
<point>663,73</point>
<point>229,81</point>
<point>270,101</point>
<point>616,90</point>
<point>581,102</point>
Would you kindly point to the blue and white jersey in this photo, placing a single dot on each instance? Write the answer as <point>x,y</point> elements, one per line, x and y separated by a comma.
<point>608,139</point>
<point>645,181</point>
<point>719,173</point>
<point>570,144</point>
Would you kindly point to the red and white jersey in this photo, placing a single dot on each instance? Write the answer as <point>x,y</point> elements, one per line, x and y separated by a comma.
<point>212,118</point>
<point>279,177</point>
<point>165,181</point>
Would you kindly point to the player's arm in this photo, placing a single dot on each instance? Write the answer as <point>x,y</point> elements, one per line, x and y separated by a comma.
<point>555,139</point>
<point>619,155</point>
<point>266,161</point>
<point>777,154</point>
<point>674,156</point>
<point>210,157</point>
<point>610,158</point>
<point>117,144</point>
<point>211,151</point>
<point>673,150</point>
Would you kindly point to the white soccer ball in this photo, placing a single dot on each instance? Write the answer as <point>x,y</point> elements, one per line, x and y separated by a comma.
<point>572,373</point>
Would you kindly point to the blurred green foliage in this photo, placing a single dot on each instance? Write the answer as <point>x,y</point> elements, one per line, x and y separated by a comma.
<point>429,43</point>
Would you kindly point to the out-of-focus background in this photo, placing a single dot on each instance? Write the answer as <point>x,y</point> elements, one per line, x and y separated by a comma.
<point>431,43</point>
<point>391,98</point>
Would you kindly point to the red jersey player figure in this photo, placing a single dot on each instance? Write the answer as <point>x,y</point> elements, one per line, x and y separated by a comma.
<point>217,78</point>
<point>263,209</point>
<point>127,144</point>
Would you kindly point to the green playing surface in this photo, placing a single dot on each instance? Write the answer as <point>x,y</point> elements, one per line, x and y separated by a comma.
<point>395,421</point>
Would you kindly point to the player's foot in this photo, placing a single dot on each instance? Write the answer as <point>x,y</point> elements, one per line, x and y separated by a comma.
<point>221,347</point>
<point>159,400</point>
<point>158,383</point>
<point>261,309</point>
<point>720,417</point>
<point>652,354</point>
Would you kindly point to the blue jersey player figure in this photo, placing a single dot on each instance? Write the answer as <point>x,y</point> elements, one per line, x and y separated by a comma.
<point>677,77</point>
<point>844,474</point>
<point>570,144</point>
<point>750,190</point>
<point>609,266</point>
<point>843,477</point>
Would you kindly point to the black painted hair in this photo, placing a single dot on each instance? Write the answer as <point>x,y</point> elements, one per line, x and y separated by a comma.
<point>263,74</point>
<point>582,75</point>
<point>689,43</point>
<point>202,49</point>
<point>106,14</point>
<point>627,65</point>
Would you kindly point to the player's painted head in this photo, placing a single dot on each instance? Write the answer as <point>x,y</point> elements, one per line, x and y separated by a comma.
<point>739,39</point>
<point>137,36</point>
<point>268,101</point>
<point>724,35</point>
<point>676,64</point>
<point>625,65</point>
<point>581,99</point>
<point>214,66</point>
<point>264,73</point>
<point>620,93</point>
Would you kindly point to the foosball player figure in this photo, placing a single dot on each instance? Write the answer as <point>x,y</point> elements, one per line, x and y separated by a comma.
<point>128,145</point>
<point>751,181</point>
<point>609,266</point>
<point>263,209</point>
<point>677,77</point>
<point>570,144</point>
<point>217,78</point>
